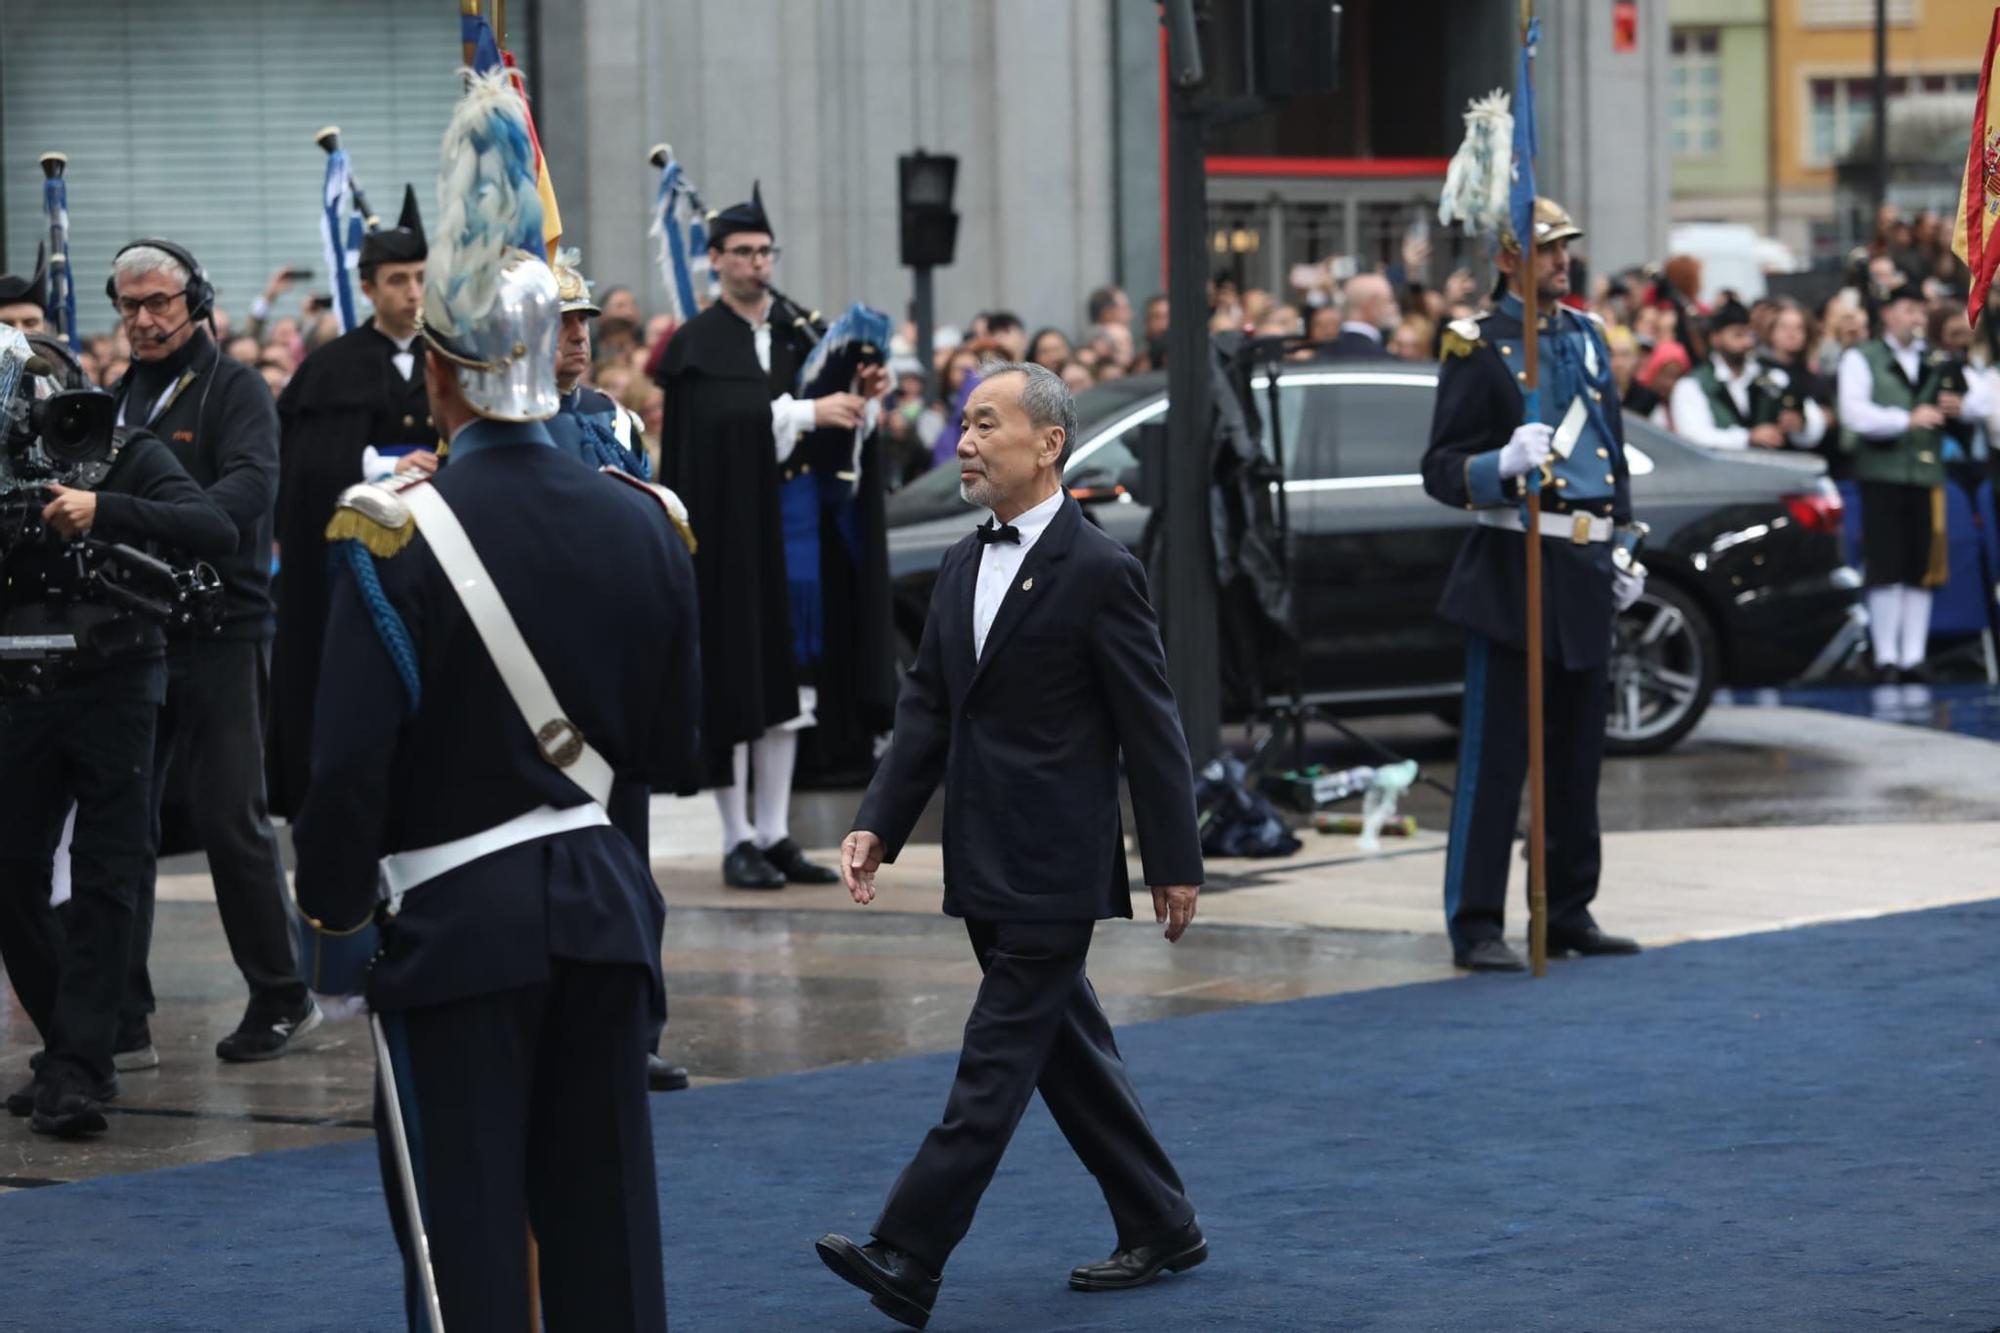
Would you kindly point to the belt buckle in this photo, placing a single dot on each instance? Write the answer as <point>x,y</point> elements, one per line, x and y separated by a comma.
<point>560,742</point>
<point>1579,530</point>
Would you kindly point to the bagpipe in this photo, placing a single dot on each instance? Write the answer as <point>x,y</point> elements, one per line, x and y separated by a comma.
<point>840,351</point>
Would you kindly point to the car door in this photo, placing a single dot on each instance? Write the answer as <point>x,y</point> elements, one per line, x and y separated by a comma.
<point>1373,548</point>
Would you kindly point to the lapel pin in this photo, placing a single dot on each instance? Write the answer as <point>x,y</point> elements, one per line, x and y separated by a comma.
<point>1027,583</point>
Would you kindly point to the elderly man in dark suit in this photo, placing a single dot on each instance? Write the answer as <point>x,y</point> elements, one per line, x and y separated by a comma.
<point>1040,665</point>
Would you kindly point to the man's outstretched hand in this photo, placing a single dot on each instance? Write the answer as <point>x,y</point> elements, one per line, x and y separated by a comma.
<point>1173,904</point>
<point>860,858</point>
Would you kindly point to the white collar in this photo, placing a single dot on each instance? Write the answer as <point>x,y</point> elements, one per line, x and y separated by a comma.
<point>1913,346</point>
<point>1361,327</point>
<point>1749,371</point>
<point>1031,523</point>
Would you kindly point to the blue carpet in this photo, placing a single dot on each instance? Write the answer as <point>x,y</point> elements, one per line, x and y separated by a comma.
<point>1791,1131</point>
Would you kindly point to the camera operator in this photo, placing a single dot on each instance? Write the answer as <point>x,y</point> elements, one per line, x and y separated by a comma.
<point>218,418</point>
<point>79,729</point>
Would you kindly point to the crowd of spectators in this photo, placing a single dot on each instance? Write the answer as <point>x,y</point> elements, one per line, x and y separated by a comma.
<point>1655,320</point>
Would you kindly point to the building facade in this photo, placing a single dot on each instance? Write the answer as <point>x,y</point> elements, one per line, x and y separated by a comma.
<point>1719,112</point>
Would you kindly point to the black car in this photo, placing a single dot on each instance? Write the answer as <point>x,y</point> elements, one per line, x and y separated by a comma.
<point>1748,582</point>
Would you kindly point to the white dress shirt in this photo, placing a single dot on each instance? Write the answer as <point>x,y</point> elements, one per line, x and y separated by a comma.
<point>1695,420</point>
<point>792,417</point>
<point>1859,411</point>
<point>404,358</point>
<point>999,562</point>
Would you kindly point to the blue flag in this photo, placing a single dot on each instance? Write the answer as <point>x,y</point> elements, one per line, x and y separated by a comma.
<point>340,237</point>
<point>1521,201</point>
<point>476,32</point>
<point>61,309</point>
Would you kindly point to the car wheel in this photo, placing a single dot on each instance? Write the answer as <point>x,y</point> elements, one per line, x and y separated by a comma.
<point>1664,667</point>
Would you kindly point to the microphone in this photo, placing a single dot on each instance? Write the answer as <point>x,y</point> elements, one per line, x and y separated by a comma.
<point>168,336</point>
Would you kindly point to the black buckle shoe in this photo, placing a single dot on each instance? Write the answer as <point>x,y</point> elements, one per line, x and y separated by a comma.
<point>1139,1265</point>
<point>789,861</point>
<point>1489,956</point>
<point>897,1283</point>
<point>663,1077</point>
<point>747,868</point>
<point>1590,942</point>
<point>262,1037</point>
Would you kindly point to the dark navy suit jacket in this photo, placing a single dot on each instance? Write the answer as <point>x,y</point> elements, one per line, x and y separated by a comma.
<point>603,591</point>
<point>1027,737</point>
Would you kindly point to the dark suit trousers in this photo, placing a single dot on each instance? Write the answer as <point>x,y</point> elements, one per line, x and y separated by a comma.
<point>529,1106</point>
<point>1036,1025</point>
<point>1492,769</point>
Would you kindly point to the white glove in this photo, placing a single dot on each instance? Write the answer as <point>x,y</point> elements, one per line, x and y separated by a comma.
<point>1527,449</point>
<point>1625,588</point>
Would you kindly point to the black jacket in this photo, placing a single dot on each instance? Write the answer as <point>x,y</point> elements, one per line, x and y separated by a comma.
<point>147,500</point>
<point>223,427</point>
<point>1027,737</point>
<point>603,591</point>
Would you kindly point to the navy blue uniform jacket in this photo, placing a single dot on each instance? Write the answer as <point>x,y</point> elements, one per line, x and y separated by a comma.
<point>1026,738</point>
<point>1479,403</point>
<point>603,590</point>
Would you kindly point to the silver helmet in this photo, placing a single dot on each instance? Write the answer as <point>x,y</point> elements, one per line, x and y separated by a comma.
<point>491,306</point>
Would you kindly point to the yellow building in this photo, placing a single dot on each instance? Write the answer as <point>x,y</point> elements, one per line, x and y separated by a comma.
<point>1823,79</point>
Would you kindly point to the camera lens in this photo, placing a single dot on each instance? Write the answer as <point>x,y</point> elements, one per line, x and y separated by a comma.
<point>77,427</point>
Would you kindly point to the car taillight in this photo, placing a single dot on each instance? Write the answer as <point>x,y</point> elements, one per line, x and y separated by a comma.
<point>1818,512</point>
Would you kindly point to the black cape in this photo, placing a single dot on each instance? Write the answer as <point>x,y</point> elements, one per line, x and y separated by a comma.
<point>347,396</point>
<point>716,452</point>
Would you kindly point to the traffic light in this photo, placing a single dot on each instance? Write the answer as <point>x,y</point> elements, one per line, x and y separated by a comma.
<point>928,227</point>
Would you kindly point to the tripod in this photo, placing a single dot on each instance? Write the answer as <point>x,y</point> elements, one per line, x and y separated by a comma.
<point>1287,717</point>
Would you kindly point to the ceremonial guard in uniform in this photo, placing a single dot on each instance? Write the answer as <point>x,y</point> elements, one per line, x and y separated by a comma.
<point>355,407</point>
<point>783,645</point>
<point>589,424</point>
<point>484,686</point>
<point>1734,400</point>
<point>1896,397</point>
<point>1483,457</point>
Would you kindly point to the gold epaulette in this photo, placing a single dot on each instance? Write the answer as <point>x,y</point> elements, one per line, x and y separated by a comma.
<point>374,515</point>
<point>1460,337</point>
<point>677,513</point>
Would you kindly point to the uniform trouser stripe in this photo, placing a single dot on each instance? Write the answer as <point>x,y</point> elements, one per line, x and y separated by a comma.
<point>397,1037</point>
<point>1472,732</point>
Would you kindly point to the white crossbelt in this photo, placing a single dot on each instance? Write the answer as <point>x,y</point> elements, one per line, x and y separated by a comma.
<point>1582,529</point>
<point>559,740</point>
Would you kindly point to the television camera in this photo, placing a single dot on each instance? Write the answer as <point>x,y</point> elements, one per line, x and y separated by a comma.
<point>78,597</point>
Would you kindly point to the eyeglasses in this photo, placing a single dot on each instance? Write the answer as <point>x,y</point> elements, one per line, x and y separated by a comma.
<point>770,252</point>
<point>155,305</point>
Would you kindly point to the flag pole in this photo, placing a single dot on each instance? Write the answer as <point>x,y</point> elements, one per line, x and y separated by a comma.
<point>1538,884</point>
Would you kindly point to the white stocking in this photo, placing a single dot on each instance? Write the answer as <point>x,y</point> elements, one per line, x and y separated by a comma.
<point>1916,627</point>
<point>773,756</point>
<point>729,800</point>
<point>1885,619</point>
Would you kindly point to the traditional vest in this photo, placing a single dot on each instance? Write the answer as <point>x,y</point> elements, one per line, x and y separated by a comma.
<point>1766,399</point>
<point>1914,458</point>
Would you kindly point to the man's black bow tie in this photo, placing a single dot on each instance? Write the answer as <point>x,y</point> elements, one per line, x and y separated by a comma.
<point>1006,532</point>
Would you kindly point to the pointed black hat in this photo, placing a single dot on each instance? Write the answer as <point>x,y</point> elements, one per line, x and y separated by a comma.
<point>401,244</point>
<point>1728,313</point>
<point>740,217</point>
<point>35,290</point>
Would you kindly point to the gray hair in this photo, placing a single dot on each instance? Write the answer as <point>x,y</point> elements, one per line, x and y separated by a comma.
<point>1044,397</point>
<point>140,260</point>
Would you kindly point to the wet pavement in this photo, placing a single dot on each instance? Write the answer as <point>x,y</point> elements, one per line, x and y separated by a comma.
<point>776,988</point>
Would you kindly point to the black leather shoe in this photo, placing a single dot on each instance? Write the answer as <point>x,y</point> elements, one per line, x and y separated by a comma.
<point>1590,943</point>
<point>68,1106</point>
<point>663,1077</point>
<point>22,1102</point>
<point>1489,956</point>
<point>1888,675</point>
<point>899,1285</point>
<point>746,868</point>
<point>790,862</point>
<point>1142,1263</point>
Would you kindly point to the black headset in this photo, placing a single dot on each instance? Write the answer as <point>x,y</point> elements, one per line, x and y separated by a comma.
<point>200,292</point>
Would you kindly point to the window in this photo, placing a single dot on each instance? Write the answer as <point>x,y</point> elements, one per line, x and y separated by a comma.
<point>1840,107</point>
<point>1694,82</point>
<point>1853,13</point>
<point>1352,428</point>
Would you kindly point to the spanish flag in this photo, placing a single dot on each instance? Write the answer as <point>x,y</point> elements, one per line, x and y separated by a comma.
<point>483,54</point>
<point>1975,237</point>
